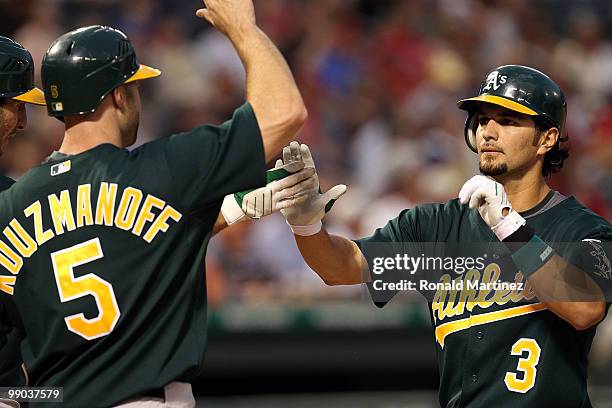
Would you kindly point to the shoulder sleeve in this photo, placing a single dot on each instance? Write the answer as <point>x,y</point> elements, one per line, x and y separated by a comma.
<point>385,243</point>
<point>210,162</point>
<point>411,233</point>
<point>399,229</point>
<point>592,255</point>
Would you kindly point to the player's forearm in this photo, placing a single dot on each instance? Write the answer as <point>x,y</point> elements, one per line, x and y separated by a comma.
<point>564,288</point>
<point>271,89</point>
<point>569,292</point>
<point>581,315</point>
<point>337,260</point>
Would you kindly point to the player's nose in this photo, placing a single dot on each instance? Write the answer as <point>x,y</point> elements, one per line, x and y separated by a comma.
<point>491,130</point>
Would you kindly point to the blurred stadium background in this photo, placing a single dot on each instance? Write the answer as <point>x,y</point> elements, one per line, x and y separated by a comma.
<point>380,79</point>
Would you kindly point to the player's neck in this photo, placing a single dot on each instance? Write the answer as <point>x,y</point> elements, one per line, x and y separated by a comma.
<point>86,135</point>
<point>526,191</point>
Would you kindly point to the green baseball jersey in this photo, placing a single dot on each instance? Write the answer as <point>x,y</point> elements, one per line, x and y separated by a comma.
<point>501,347</point>
<point>102,255</point>
<point>6,182</point>
<point>11,373</point>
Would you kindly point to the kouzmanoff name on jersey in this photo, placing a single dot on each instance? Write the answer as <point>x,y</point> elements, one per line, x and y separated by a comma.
<point>126,208</point>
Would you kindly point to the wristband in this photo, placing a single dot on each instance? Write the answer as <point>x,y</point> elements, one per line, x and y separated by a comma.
<point>509,225</point>
<point>306,230</point>
<point>519,238</point>
<point>532,255</point>
<point>271,175</point>
<point>231,211</point>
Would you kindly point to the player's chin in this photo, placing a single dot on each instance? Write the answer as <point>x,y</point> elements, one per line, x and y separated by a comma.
<point>492,167</point>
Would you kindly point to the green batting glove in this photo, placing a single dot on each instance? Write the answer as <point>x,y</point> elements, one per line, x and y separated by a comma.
<point>279,192</point>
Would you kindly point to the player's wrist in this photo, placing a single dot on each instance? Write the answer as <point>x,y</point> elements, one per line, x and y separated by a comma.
<point>231,211</point>
<point>509,225</point>
<point>243,35</point>
<point>529,252</point>
<point>306,230</point>
<point>532,255</point>
<point>519,237</point>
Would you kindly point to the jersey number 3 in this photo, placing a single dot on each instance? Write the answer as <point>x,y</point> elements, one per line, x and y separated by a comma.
<point>526,365</point>
<point>70,288</point>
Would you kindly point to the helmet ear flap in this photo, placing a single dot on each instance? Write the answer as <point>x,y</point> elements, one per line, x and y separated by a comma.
<point>471,124</point>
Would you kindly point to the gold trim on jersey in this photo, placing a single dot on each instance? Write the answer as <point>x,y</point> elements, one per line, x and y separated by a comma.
<point>478,291</point>
<point>476,320</point>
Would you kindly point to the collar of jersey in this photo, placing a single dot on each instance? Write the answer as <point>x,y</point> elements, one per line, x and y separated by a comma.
<point>58,156</point>
<point>538,206</point>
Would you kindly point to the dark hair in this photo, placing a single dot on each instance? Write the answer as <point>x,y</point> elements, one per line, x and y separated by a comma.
<point>554,158</point>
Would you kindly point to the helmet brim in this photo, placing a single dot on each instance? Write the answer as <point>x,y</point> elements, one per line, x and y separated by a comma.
<point>34,96</point>
<point>465,104</point>
<point>144,72</point>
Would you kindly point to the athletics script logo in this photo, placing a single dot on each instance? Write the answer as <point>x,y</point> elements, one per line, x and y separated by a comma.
<point>452,303</point>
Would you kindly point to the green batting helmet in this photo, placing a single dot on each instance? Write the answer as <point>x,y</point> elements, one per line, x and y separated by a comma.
<point>81,67</point>
<point>17,73</point>
<point>520,89</point>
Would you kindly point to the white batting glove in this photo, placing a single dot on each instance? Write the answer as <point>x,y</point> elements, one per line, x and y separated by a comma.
<point>305,217</point>
<point>284,182</point>
<point>490,199</point>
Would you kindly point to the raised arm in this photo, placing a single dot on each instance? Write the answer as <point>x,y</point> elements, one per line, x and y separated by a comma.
<point>270,87</point>
<point>337,260</point>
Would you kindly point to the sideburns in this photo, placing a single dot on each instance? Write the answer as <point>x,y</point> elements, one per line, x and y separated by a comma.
<point>536,137</point>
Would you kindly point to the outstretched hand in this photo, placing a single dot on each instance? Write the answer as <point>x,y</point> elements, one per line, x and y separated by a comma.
<point>311,210</point>
<point>228,16</point>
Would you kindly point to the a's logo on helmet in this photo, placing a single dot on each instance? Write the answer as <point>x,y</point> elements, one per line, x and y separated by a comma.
<point>494,80</point>
<point>54,91</point>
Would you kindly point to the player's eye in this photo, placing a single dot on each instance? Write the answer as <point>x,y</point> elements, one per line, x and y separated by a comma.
<point>507,122</point>
<point>483,120</point>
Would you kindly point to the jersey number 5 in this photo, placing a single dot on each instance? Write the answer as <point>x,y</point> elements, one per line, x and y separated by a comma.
<point>70,288</point>
<point>527,365</point>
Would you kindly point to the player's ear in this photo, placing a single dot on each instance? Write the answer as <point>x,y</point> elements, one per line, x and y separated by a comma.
<point>548,140</point>
<point>119,96</point>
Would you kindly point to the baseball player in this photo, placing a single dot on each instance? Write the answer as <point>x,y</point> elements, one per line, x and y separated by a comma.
<point>524,347</point>
<point>102,248</point>
<point>16,89</point>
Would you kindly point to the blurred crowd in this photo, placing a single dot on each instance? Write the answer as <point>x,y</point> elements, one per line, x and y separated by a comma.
<point>380,79</point>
